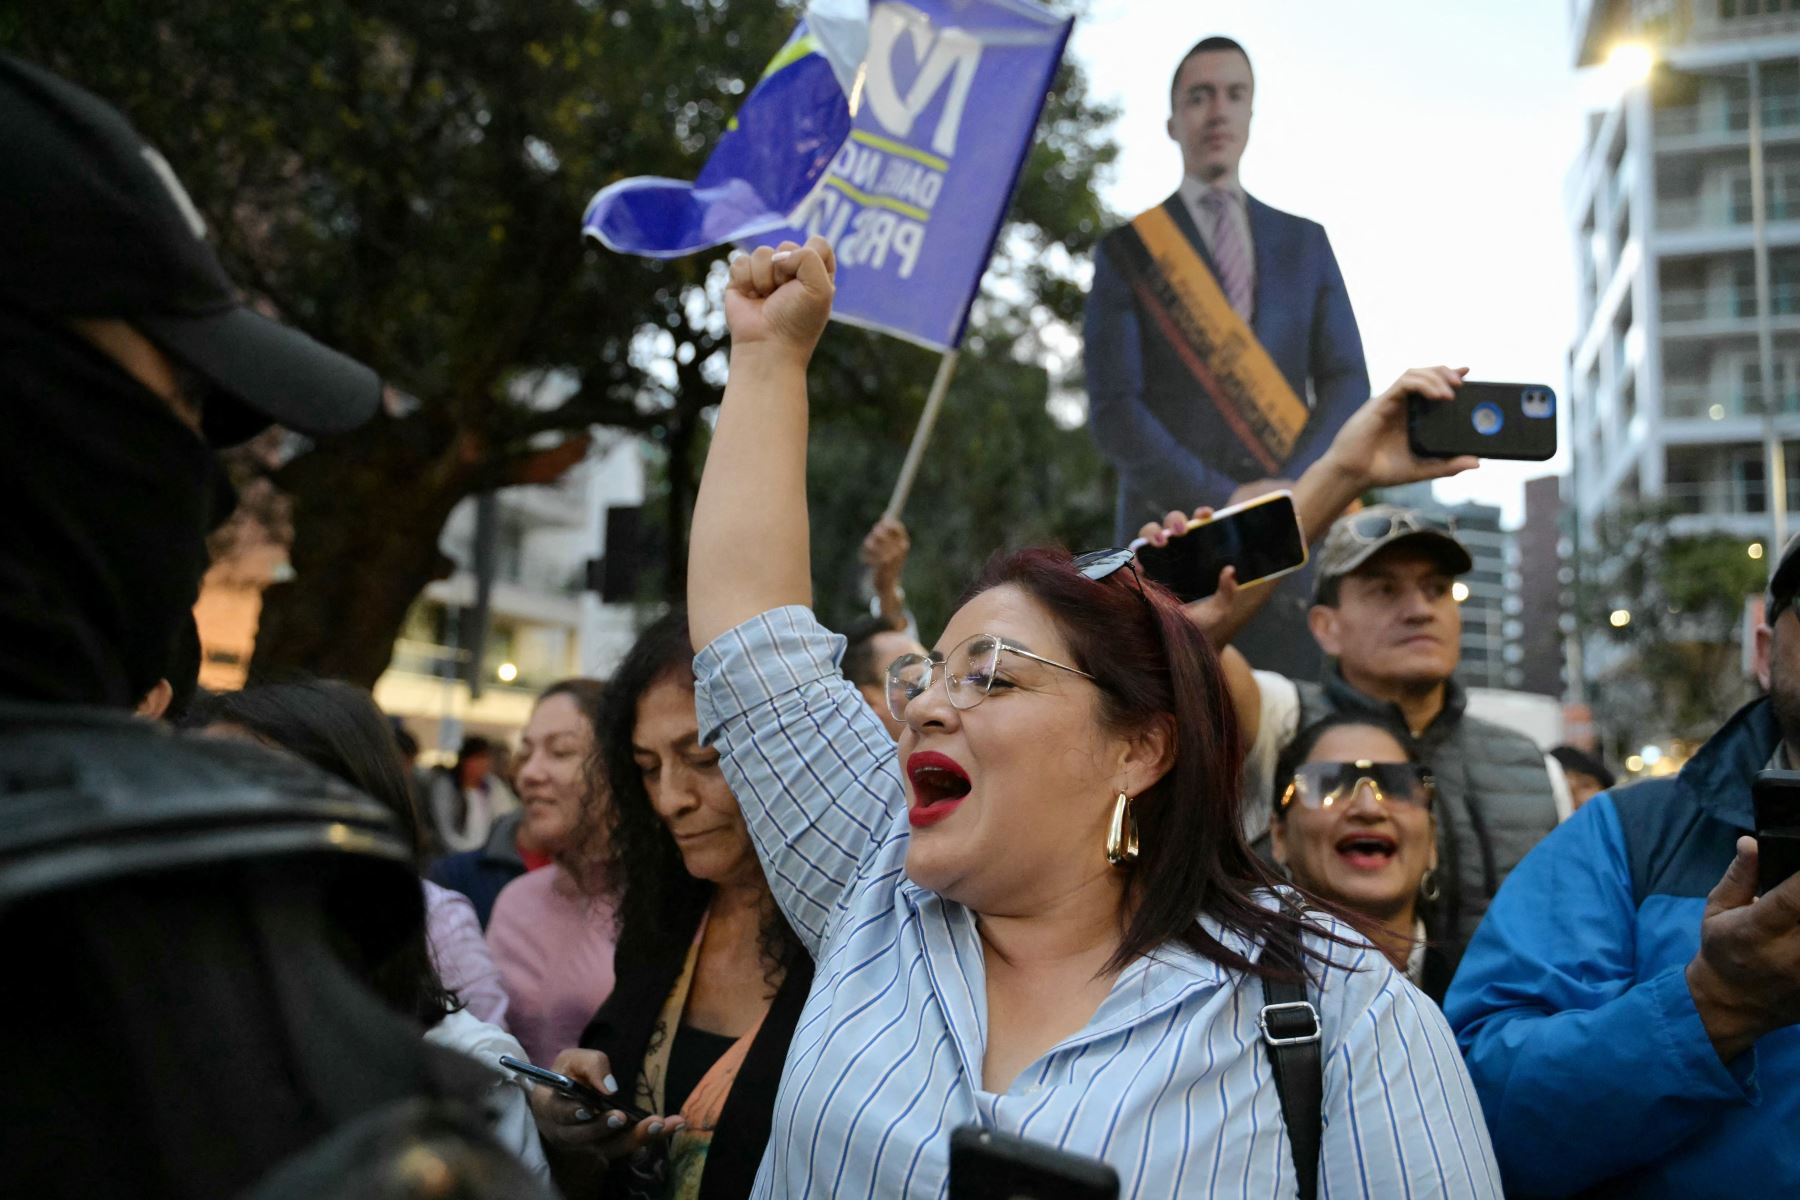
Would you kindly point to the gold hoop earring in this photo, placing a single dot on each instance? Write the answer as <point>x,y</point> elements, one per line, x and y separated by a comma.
<point>1428,885</point>
<point>1122,834</point>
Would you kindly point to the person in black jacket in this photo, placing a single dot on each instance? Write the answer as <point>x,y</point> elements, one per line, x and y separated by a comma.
<point>709,978</point>
<point>193,1003</point>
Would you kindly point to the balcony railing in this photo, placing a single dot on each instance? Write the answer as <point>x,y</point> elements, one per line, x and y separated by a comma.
<point>1728,304</point>
<point>1725,497</point>
<point>1698,401</point>
<point>1781,112</point>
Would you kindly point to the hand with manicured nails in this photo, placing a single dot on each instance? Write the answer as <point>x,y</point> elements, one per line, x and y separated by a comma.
<point>571,1128</point>
<point>780,299</point>
<point>1372,447</point>
<point>1746,979</point>
<point>1209,613</point>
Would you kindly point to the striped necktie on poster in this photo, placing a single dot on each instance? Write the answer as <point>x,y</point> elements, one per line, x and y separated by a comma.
<point>1230,253</point>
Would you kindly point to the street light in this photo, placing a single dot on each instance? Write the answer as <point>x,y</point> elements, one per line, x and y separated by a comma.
<point>1630,63</point>
<point>507,672</point>
<point>1756,550</point>
<point>1620,618</point>
<point>1459,591</point>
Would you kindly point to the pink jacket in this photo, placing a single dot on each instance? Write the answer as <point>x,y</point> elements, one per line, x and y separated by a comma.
<point>554,948</point>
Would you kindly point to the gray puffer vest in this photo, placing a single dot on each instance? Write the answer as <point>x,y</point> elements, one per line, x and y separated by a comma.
<point>1494,800</point>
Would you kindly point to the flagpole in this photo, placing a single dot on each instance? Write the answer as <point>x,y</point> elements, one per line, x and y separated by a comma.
<point>915,453</point>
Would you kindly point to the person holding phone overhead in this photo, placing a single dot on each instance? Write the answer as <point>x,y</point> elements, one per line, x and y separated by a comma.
<point>1036,915</point>
<point>1631,952</point>
<point>1220,344</point>
<point>710,978</point>
<point>1385,613</point>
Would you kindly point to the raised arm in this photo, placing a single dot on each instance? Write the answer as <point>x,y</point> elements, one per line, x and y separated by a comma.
<point>812,768</point>
<point>749,551</point>
<point>1370,451</point>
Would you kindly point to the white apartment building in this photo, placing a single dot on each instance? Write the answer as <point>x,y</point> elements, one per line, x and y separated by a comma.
<point>544,624</point>
<point>1665,390</point>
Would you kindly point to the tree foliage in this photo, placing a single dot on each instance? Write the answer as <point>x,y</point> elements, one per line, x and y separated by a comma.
<point>1675,668</point>
<point>405,181</point>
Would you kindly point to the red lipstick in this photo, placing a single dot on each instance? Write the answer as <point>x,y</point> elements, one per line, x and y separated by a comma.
<point>939,786</point>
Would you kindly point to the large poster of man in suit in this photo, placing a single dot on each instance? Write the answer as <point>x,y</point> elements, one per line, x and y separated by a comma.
<point>1221,346</point>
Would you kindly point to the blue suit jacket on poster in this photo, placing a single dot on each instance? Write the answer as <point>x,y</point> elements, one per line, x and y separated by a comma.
<point>1152,421</point>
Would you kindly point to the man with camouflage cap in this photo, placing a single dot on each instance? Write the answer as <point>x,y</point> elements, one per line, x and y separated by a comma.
<point>1385,615</point>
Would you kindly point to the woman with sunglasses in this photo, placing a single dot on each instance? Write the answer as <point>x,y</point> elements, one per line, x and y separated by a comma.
<point>1040,918</point>
<point>1353,824</point>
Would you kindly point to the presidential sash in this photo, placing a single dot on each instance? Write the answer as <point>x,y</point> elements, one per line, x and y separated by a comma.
<point>1180,297</point>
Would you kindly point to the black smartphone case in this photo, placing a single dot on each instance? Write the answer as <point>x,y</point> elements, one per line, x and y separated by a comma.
<point>1488,420</point>
<point>986,1165</point>
<point>1776,796</point>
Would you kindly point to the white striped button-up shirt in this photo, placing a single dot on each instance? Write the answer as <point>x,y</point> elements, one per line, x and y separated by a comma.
<point>1169,1082</point>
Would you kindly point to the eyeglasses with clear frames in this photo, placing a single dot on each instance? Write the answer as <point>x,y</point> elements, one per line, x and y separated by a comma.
<point>969,672</point>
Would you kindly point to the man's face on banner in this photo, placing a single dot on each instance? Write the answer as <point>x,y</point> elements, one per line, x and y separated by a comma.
<point>1210,118</point>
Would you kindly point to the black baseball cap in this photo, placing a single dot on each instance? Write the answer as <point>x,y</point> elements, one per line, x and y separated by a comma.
<point>94,223</point>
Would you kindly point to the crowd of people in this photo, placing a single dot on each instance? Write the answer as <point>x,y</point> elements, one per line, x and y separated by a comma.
<point>787,906</point>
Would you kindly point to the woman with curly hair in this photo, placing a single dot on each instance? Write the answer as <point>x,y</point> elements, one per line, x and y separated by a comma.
<point>709,978</point>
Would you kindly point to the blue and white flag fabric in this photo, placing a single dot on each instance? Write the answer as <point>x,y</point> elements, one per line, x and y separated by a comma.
<point>773,154</point>
<point>935,105</point>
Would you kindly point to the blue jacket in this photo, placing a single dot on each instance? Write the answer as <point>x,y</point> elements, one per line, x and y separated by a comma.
<point>1573,1011</point>
<point>1166,438</point>
<point>480,874</point>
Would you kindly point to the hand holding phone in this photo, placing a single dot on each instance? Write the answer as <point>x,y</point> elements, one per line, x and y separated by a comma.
<point>1488,420</point>
<point>1776,796</point>
<point>574,1089</point>
<point>1261,538</point>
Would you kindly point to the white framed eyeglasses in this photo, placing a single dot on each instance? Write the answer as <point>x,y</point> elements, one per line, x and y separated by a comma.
<point>968,672</point>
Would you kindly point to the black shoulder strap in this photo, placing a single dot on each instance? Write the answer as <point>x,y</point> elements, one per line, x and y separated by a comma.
<point>1290,1030</point>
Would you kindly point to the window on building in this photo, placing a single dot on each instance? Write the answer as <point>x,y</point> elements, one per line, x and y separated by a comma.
<point>1732,10</point>
<point>1784,285</point>
<point>1781,193</point>
<point>1787,385</point>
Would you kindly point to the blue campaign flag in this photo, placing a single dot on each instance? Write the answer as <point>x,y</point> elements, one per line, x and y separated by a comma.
<point>775,152</point>
<point>944,114</point>
<point>894,129</point>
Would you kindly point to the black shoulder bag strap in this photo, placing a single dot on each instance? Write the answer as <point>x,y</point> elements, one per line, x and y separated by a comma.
<point>1290,1030</point>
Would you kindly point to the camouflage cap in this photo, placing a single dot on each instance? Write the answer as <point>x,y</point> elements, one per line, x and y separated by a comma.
<point>1358,537</point>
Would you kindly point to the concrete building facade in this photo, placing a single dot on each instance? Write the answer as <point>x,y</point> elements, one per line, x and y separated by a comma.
<point>1665,390</point>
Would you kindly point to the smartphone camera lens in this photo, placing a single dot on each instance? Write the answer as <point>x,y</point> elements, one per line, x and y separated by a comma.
<point>1487,419</point>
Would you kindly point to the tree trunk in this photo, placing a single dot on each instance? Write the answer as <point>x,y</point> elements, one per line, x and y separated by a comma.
<point>365,546</point>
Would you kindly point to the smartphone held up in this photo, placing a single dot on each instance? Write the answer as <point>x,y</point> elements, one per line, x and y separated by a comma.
<point>1262,538</point>
<point>1487,420</point>
<point>1776,796</point>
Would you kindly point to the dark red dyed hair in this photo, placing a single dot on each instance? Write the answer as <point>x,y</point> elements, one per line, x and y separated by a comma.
<point>1153,666</point>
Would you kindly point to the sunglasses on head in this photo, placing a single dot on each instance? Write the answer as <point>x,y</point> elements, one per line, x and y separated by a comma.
<point>1325,784</point>
<point>1374,527</point>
